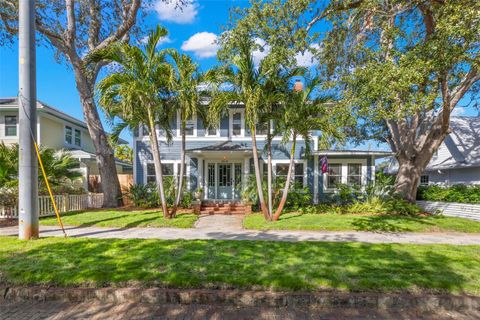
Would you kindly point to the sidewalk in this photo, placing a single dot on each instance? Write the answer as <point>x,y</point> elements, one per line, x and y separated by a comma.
<point>229,228</point>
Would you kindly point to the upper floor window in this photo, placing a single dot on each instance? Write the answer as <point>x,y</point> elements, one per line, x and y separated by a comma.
<point>262,129</point>
<point>354,174</point>
<point>10,126</point>
<point>334,175</point>
<point>68,134</point>
<point>78,137</point>
<point>236,123</point>
<point>190,126</point>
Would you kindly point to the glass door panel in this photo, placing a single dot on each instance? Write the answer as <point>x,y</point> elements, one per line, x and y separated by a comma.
<point>225,189</point>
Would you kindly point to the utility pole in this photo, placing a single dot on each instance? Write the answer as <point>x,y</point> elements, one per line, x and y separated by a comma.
<point>27,110</point>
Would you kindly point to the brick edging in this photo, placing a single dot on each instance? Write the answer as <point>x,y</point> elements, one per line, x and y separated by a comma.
<point>327,299</point>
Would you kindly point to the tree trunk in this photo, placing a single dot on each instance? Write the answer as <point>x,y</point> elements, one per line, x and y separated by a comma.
<point>258,177</point>
<point>181,174</point>
<point>112,194</point>
<point>287,183</point>
<point>157,162</point>
<point>269,171</point>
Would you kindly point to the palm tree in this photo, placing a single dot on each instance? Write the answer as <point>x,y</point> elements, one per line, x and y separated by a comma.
<point>247,87</point>
<point>59,166</point>
<point>185,85</point>
<point>137,94</point>
<point>304,112</point>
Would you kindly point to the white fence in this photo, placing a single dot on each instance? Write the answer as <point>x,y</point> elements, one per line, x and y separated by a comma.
<point>453,209</point>
<point>65,203</point>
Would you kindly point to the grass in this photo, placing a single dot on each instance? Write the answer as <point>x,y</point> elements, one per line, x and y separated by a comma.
<point>122,219</point>
<point>240,264</point>
<point>376,223</point>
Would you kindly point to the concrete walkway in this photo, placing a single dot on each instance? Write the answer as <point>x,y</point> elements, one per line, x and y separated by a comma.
<point>220,227</point>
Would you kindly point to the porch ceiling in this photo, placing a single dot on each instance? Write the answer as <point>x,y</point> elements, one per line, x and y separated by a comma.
<point>222,147</point>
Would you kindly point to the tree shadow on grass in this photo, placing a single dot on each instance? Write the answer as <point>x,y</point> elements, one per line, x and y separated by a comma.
<point>388,223</point>
<point>243,265</point>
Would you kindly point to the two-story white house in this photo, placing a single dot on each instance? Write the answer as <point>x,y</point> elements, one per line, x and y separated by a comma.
<point>57,130</point>
<point>219,160</point>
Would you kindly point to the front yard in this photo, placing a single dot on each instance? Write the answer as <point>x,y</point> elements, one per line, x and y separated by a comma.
<point>126,218</point>
<point>240,264</point>
<point>358,222</point>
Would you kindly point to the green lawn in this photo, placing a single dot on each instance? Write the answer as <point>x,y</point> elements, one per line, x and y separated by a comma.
<point>240,264</point>
<point>379,223</point>
<point>122,219</point>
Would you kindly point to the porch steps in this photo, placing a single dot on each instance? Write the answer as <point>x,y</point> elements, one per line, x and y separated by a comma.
<point>228,208</point>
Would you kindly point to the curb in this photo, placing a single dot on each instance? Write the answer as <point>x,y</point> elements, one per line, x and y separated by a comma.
<point>323,299</point>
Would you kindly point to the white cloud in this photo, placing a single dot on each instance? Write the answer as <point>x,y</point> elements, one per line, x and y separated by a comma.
<point>260,54</point>
<point>162,40</point>
<point>307,58</point>
<point>458,111</point>
<point>169,11</point>
<point>202,44</point>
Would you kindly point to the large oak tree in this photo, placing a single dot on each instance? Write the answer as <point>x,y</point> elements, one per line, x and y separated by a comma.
<point>76,29</point>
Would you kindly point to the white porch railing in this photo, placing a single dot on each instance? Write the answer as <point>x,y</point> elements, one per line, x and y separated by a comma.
<point>65,203</point>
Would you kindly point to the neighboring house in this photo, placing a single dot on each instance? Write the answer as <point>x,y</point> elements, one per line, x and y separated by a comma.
<point>457,160</point>
<point>57,130</point>
<point>219,160</point>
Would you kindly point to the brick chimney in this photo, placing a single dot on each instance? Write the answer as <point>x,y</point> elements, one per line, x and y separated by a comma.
<point>298,86</point>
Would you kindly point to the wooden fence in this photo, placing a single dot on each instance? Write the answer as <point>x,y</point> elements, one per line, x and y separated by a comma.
<point>65,203</point>
<point>453,209</point>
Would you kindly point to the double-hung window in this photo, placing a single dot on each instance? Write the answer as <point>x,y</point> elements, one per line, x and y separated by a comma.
<point>354,174</point>
<point>10,126</point>
<point>68,135</point>
<point>262,129</point>
<point>334,177</point>
<point>298,174</point>
<point>236,123</point>
<point>190,126</point>
<point>424,180</point>
<point>78,137</point>
<point>167,171</point>
<point>281,172</point>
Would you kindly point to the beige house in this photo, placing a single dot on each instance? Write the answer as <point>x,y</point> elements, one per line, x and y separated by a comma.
<point>57,130</point>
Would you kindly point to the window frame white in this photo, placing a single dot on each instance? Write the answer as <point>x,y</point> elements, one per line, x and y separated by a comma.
<point>217,132</point>
<point>287,161</point>
<point>354,175</point>
<point>195,126</point>
<point>242,123</point>
<point>344,171</point>
<point>422,182</point>
<point>176,168</point>
<point>5,125</point>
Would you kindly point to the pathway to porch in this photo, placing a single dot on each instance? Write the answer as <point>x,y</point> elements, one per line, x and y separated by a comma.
<point>229,227</point>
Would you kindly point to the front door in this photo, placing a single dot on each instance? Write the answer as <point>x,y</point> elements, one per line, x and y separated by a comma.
<point>224,181</point>
<point>225,189</point>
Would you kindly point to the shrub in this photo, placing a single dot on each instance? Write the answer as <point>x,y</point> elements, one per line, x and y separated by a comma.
<point>457,193</point>
<point>187,200</point>
<point>144,195</point>
<point>402,207</point>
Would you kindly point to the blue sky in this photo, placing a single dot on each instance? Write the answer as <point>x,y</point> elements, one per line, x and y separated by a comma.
<point>191,30</point>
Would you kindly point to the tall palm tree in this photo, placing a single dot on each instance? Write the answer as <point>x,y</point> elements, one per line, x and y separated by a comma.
<point>305,111</point>
<point>137,94</point>
<point>185,85</point>
<point>246,82</point>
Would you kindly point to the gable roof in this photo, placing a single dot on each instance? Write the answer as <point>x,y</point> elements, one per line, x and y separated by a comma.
<point>11,103</point>
<point>463,145</point>
<point>460,149</point>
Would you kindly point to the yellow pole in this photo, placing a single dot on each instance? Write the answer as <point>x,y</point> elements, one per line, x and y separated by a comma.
<point>49,189</point>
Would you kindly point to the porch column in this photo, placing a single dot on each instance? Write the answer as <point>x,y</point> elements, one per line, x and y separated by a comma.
<point>315,179</point>
<point>200,173</point>
<point>246,171</point>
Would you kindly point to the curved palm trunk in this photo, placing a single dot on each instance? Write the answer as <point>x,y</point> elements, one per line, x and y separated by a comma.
<point>178,198</point>
<point>287,183</point>
<point>258,178</point>
<point>269,171</point>
<point>157,162</point>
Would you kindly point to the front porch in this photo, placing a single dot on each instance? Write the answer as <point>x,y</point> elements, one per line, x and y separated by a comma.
<point>223,170</point>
